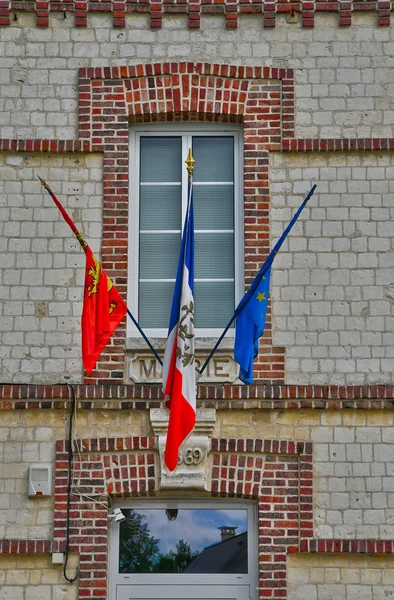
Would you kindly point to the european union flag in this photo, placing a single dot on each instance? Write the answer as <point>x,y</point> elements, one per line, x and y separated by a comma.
<point>251,312</point>
<point>250,325</point>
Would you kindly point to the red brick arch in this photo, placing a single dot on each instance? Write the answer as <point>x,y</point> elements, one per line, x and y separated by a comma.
<point>277,474</point>
<point>261,98</point>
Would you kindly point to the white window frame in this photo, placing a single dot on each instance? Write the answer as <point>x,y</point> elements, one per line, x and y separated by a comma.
<point>185,129</point>
<point>250,578</point>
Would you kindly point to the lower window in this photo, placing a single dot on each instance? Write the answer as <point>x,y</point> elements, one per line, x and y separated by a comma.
<point>182,549</point>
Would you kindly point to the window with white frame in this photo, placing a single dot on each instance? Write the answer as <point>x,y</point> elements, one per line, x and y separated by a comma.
<point>158,189</point>
<point>184,548</point>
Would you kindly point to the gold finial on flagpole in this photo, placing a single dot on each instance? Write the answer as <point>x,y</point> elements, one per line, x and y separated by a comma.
<point>44,184</point>
<point>190,163</point>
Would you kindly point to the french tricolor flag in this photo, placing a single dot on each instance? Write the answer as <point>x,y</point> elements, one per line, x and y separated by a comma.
<point>179,376</point>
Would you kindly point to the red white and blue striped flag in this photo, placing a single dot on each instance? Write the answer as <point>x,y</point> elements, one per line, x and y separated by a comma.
<point>179,376</point>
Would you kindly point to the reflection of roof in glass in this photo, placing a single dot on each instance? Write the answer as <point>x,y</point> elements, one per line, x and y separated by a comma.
<point>228,556</point>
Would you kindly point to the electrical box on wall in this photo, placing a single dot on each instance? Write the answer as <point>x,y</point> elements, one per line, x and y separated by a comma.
<point>40,480</point>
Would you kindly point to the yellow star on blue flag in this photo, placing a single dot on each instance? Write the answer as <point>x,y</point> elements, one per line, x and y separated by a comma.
<point>250,327</point>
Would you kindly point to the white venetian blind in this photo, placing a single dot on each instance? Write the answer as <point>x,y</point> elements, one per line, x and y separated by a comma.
<point>214,230</point>
<point>161,197</point>
<point>160,226</point>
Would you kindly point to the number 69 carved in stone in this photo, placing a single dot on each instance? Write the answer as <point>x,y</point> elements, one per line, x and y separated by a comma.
<point>190,456</point>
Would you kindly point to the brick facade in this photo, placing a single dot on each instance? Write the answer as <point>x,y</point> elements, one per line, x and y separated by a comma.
<point>285,475</point>
<point>311,441</point>
<point>262,99</point>
<point>277,474</point>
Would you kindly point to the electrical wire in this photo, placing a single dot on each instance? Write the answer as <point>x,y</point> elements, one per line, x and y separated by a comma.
<point>69,484</point>
<point>72,485</point>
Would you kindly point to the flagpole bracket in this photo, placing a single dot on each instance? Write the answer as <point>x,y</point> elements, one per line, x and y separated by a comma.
<point>192,472</point>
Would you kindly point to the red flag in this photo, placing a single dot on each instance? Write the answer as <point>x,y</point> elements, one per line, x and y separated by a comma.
<point>103,307</point>
<point>103,310</point>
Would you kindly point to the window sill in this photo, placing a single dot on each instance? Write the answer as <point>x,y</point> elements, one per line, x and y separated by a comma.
<point>201,343</point>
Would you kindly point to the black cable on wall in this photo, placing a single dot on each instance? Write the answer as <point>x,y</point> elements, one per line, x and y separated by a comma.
<point>69,484</point>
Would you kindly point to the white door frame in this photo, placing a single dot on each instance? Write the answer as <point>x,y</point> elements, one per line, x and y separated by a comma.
<point>183,579</point>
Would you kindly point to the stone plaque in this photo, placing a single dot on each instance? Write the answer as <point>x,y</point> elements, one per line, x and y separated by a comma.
<point>193,453</point>
<point>142,367</point>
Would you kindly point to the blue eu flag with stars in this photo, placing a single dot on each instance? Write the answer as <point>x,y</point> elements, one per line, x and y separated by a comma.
<point>250,327</point>
<point>251,312</point>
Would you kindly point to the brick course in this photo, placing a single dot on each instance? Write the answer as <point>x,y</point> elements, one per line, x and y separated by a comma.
<point>116,396</point>
<point>230,9</point>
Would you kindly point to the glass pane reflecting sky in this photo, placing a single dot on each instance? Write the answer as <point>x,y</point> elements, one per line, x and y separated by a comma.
<point>151,534</point>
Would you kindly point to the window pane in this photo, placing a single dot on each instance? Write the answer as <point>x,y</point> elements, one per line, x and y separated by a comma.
<point>159,253</point>
<point>161,207</point>
<point>214,303</point>
<point>213,206</point>
<point>155,303</point>
<point>161,162</point>
<point>184,541</point>
<point>214,255</point>
<point>161,159</point>
<point>214,158</point>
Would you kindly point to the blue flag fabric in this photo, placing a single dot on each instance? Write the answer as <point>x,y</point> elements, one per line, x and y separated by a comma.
<point>250,326</point>
<point>251,312</point>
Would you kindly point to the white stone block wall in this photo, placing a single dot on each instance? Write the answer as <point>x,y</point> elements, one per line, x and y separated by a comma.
<point>344,79</point>
<point>353,464</point>
<point>340,577</point>
<point>42,263</point>
<point>333,280</point>
<point>27,577</point>
<point>20,446</point>
<point>354,475</point>
<point>28,437</point>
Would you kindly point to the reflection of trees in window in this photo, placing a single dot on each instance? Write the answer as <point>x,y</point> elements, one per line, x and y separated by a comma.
<point>139,551</point>
<point>176,562</point>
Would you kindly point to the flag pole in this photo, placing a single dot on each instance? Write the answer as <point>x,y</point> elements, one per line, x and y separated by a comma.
<point>84,246</point>
<point>267,264</point>
<point>179,375</point>
<point>145,338</point>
